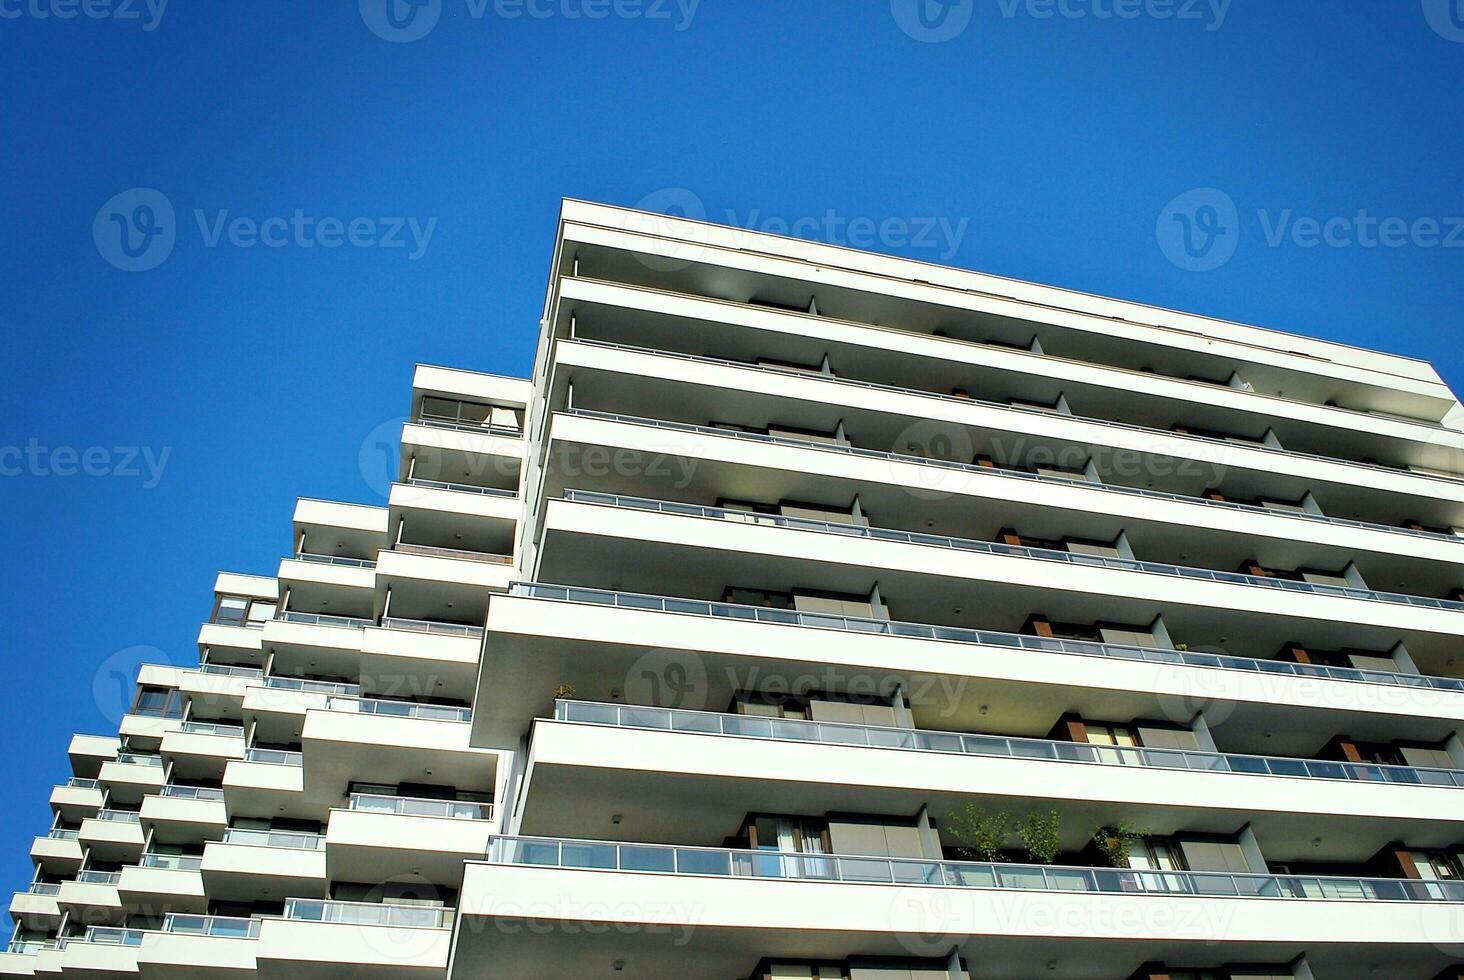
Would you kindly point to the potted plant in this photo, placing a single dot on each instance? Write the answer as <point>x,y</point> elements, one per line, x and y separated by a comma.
<point>1115,841</point>
<point>1039,832</point>
<point>980,834</point>
<point>563,692</point>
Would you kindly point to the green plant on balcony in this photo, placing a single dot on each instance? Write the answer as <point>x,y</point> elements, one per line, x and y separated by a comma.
<point>1039,832</point>
<point>980,834</point>
<point>563,692</point>
<point>1116,840</point>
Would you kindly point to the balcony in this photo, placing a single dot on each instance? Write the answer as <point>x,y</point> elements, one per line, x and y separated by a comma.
<point>113,835</point>
<point>199,749</point>
<point>401,648</point>
<point>87,753</point>
<point>543,634</point>
<point>700,767</point>
<point>130,776</point>
<point>316,938</point>
<point>248,864</point>
<point>58,851</point>
<point>299,639</point>
<point>396,741</point>
<point>447,451</point>
<point>76,798</point>
<point>658,546</point>
<point>384,838</point>
<point>948,489</point>
<point>36,907</point>
<point>724,909</point>
<point>623,257</point>
<point>312,581</point>
<point>482,508</point>
<point>600,370</point>
<point>427,581</point>
<point>184,813</point>
<point>171,881</point>
<point>267,781</point>
<point>92,898</point>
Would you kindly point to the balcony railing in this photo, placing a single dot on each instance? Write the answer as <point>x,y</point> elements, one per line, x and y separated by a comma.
<point>113,936</point>
<point>959,634</point>
<point>274,757</point>
<point>369,914</point>
<point>77,782</point>
<point>61,833</point>
<point>26,947</point>
<point>726,863</point>
<point>171,862</point>
<point>176,792</point>
<point>997,471</point>
<point>487,428</point>
<point>228,670</point>
<point>118,816</point>
<point>311,686</point>
<point>137,759</point>
<point>275,838</point>
<point>417,807</point>
<point>332,560</point>
<point>229,927</point>
<point>925,393</point>
<point>430,626</point>
<point>399,709</point>
<point>212,728</point>
<point>1031,749</point>
<point>43,888</point>
<point>99,877</point>
<point>462,488</point>
<point>993,548</point>
<point>433,551</point>
<point>319,619</point>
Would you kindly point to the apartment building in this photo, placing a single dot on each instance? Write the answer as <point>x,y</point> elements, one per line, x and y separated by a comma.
<point>811,613</point>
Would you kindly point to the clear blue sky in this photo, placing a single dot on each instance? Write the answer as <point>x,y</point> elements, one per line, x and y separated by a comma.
<point>261,370</point>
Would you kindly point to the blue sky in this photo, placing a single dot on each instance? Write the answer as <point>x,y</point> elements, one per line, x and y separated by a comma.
<point>202,395</point>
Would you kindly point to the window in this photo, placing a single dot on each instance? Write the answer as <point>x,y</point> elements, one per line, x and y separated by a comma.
<point>238,610</point>
<point>160,702</point>
<point>471,413</point>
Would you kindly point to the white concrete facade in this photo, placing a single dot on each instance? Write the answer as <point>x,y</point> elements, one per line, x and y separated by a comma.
<point>814,613</point>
